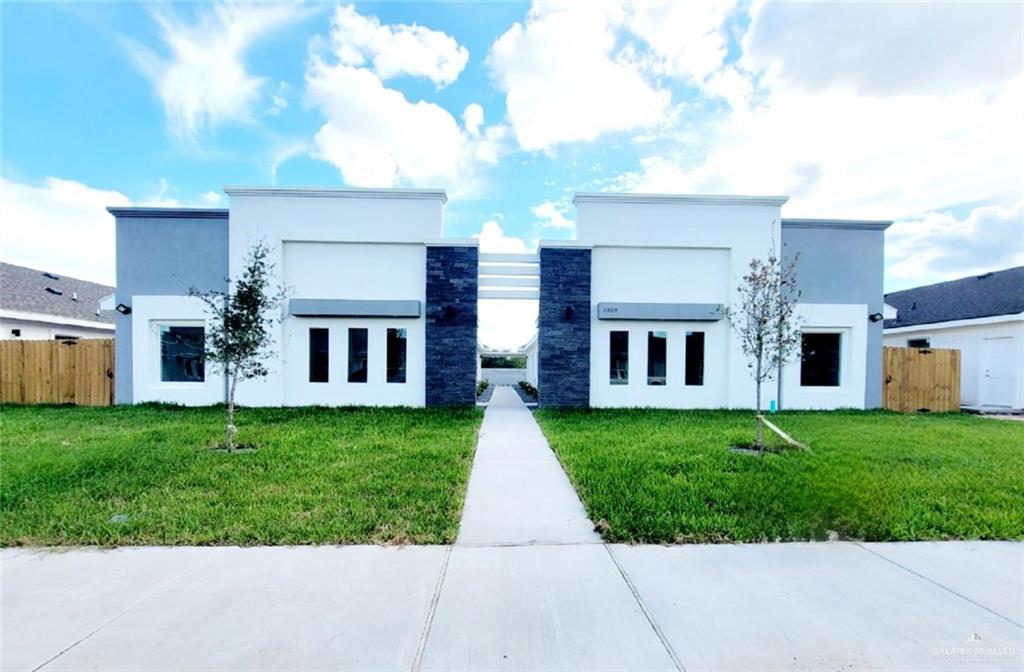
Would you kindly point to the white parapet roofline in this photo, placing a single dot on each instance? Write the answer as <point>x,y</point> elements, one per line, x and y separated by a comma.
<point>676,199</point>
<point>340,192</point>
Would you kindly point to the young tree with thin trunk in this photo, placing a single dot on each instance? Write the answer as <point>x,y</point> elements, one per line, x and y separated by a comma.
<point>239,336</point>
<point>763,318</point>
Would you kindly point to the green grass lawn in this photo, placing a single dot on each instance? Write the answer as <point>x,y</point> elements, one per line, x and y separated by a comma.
<point>319,476</point>
<point>666,476</point>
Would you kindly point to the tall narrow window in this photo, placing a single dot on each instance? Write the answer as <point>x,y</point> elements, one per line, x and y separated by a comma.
<point>656,353</point>
<point>695,358</point>
<point>396,355</point>
<point>618,372</point>
<point>357,343</point>
<point>181,354</point>
<point>819,360</point>
<point>319,355</point>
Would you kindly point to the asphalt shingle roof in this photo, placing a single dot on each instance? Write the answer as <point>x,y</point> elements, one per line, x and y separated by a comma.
<point>995,293</point>
<point>31,291</point>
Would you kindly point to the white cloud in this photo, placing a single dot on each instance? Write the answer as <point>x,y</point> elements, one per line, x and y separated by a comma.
<point>493,239</point>
<point>937,246</point>
<point>686,39</point>
<point>886,48</point>
<point>394,50</point>
<point>203,81</point>
<point>211,197</point>
<point>61,226</point>
<point>379,138</point>
<point>551,215</point>
<point>473,118</point>
<point>566,80</point>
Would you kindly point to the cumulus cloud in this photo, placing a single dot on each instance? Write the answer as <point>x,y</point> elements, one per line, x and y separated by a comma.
<point>211,197</point>
<point>551,215</point>
<point>886,48</point>
<point>493,239</point>
<point>202,79</point>
<point>686,39</point>
<point>60,226</point>
<point>394,50</point>
<point>565,78</point>
<point>377,137</point>
<point>937,246</point>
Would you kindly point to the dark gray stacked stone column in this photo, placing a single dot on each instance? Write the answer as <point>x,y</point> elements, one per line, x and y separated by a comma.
<point>563,370</point>
<point>451,315</point>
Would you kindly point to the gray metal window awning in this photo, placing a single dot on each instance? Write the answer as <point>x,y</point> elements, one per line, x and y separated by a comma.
<point>692,312</point>
<point>353,308</point>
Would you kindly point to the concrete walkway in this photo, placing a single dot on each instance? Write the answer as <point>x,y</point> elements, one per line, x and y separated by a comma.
<point>528,586</point>
<point>518,493</point>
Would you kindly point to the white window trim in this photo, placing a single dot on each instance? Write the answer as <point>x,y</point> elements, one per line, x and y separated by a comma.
<point>845,334</point>
<point>157,373</point>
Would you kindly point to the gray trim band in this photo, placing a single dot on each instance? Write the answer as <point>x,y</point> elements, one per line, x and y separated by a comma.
<point>170,213</point>
<point>858,224</point>
<point>353,308</point>
<point>693,312</point>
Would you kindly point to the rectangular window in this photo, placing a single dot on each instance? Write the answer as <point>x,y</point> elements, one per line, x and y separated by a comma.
<point>619,361</point>
<point>357,340</point>
<point>695,358</point>
<point>396,355</point>
<point>819,360</point>
<point>319,355</point>
<point>919,342</point>
<point>181,354</point>
<point>656,354</point>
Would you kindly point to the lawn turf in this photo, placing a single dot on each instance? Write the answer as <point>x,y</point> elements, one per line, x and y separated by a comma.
<point>320,475</point>
<point>666,476</point>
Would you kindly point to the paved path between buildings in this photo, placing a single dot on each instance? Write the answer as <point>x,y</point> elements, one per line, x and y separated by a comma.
<point>527,587</point>
<point>518,493</point>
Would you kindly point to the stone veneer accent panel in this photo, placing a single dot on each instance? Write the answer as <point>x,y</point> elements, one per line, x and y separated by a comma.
<point>564,328</point>
<point>451,314</point>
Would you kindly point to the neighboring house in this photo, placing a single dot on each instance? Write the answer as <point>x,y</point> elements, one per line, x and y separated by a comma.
<point>384,312</point>
<point>982,317</point>
<point>632,312</point>
<point>37,305</point>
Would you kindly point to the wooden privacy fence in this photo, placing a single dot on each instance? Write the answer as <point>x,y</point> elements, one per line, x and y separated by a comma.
<point>921,379</point>
<point>57,372</point>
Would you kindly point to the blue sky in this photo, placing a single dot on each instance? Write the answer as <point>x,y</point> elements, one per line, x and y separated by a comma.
<point>899,111</point>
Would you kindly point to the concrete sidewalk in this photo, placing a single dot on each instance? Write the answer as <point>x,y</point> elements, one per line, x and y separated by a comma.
<point>518,493</point>
<point>920,606</point>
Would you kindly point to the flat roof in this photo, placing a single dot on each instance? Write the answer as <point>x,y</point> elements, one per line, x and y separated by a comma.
<point>692,199</point>
<point>339,192</point>
<point>195,213</point>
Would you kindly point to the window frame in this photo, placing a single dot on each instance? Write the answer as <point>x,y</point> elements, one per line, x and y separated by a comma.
<point>842,333</point>
<point>157,359</point>
<point>327,353</point>
<point>611,379</point>
<point>927,343</point>
<point>686,357</point>
<point>387,355</point>
<point>663,335</point>
<point>348,356</point>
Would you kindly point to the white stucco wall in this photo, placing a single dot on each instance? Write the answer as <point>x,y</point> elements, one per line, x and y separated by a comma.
<point>32,330</point>
<point>148,313</point>
<point>673,253</point>
<point>968,337</point>
<point>849,320</point>
<point>339,245</point>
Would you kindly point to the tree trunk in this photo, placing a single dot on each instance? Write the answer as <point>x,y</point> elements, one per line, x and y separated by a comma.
<point>229,431</point>
<point>759,435</point>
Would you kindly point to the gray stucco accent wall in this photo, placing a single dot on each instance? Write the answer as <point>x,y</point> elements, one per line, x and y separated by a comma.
<point>843,263</point>
<point>163,252</point>
<point>563,364</point>
<point>451,317</point>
